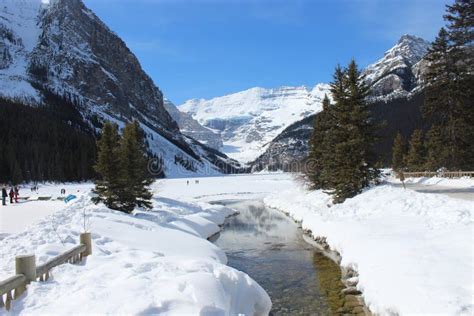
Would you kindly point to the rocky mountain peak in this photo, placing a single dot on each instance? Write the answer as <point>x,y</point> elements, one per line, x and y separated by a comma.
<point>61,48</point>
<point>411,48</point>
<point>394,74</point>
<point>394,82</point>
<point>78,54</point>
<point>248,120</point>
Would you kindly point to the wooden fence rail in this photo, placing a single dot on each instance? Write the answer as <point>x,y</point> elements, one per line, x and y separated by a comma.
<point>441,174</point>
<point>12,287</point>
<point>27,271</point>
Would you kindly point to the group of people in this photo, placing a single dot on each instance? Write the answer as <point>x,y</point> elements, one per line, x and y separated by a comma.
<point>14,194</point>
<point>195,181</point>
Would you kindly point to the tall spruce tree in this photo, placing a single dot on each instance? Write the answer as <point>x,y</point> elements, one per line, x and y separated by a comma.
<point>460,18</point>
<point>398,152</point>
<point>134,175</point>
<point>333,134</point>
<point>319,146</point>
<point>416,157</point>
<point>107,187</point>
<point>449,93</point>
<point>123,169</point>
<point>437,151</point>
<point>350,167</point>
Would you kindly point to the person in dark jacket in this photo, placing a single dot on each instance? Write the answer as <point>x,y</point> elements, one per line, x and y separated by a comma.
<point>12,194</point>
<point>17,194</point>
<point>4,196</point>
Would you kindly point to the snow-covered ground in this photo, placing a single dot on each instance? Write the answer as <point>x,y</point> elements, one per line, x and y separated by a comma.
<point>459,188</point>
<point>435,181</point>
<point>15,218</point>
<point>146,263</point>
<point>225,188</point>
<point>413,251</point>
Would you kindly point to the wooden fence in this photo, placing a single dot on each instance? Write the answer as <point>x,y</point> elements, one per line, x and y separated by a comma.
<point>27,271</point>
<point>441,174</point>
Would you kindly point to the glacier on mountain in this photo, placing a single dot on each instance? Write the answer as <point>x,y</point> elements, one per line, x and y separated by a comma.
<point>248,120</point>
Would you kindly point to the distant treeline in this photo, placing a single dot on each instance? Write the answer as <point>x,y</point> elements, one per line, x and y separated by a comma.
<point>45,143</point>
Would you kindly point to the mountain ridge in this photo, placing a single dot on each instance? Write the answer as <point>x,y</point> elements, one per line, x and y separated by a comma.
<point>249,120</point>
<point>62,47</point>
<point>396,99</point>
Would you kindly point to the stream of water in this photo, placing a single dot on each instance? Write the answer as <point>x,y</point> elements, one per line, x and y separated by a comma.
<point>269,247</point>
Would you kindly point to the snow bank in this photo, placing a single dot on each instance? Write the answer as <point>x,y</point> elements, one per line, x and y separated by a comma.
<point>445,182</point>
<point>413,251</point>
<point>146,263</point>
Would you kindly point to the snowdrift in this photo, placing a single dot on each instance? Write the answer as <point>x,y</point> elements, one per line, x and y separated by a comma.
<point>150,262</point>
<point>413,251</point>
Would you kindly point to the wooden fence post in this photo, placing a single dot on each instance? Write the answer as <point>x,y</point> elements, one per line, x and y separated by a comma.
<point>26,265</point>
<point>86,240</point>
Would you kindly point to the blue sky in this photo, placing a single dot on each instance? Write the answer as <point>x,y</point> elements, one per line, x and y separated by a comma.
<point>208,48</point>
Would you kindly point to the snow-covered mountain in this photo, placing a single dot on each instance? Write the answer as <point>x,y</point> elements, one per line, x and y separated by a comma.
<point>190,127</point>
<point>61,46</point>
<point>395,82</point>
<point>398,72</point>
<point>248,120</point>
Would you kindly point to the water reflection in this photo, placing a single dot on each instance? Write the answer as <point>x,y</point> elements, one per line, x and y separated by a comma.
<point>269,247</point>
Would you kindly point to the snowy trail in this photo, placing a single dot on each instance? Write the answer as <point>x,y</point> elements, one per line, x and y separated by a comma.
<point>457,193</point>
<point>458,188</point>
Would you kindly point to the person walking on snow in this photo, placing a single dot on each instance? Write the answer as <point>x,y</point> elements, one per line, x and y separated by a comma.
<point>12,194</point>
<point>17,194</point>
<point>4,196</point>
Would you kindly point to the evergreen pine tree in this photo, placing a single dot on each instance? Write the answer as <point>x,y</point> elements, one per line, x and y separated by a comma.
<point>350,165</point>
<point>398,152</point>
<point>415,159</point>
<point>437,152</point>
<point>319,146</point>
<point>460,18</point>
<point>134,175</point>
<point>107,166</point>
<point>449,93</point>
<point>333,134</point>
<point>17,176</point>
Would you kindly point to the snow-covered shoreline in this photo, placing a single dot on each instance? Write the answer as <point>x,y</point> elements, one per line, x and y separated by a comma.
<point>149,262</point>
<point>412,250</point>
<point>146,263</point>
